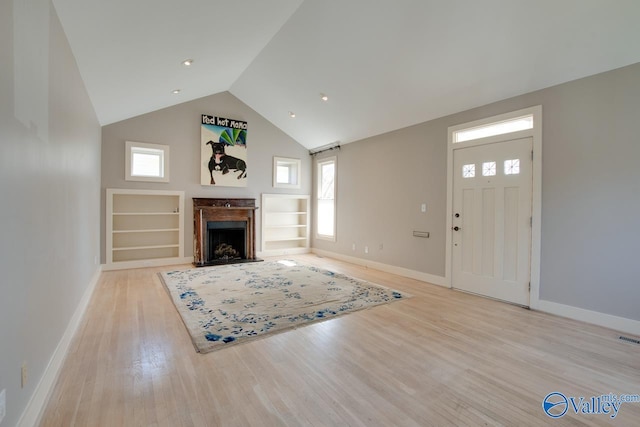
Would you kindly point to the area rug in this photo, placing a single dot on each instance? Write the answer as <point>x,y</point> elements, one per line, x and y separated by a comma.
<point>229,304</point>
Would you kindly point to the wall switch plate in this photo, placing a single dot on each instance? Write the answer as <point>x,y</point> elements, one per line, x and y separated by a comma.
<point>366,249</point>
<point>423,207</point>
<point>23,374</point>
<point>421,234</point>
<point>3,404</point>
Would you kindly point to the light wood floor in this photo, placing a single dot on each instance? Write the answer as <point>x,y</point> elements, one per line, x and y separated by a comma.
<point>440,358</point>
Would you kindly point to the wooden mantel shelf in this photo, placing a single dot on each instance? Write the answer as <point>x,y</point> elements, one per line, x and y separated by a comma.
<point>224,203</point>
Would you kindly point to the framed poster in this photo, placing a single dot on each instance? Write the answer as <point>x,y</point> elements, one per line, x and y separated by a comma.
<point>223,152</point>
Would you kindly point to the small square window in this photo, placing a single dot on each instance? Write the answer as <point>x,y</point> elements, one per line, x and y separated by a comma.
<point>469,171</point>
<point>512,167</point>
<point>286,172</point>
<point>489,169</point>
<point>146,162</point>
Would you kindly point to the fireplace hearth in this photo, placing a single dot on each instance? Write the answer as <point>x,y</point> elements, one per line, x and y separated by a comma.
<point>224,231</point>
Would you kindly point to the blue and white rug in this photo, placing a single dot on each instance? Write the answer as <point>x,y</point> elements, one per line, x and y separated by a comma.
<point>229,304</point>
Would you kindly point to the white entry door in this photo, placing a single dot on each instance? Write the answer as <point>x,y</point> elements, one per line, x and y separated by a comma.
<point>492,191</point>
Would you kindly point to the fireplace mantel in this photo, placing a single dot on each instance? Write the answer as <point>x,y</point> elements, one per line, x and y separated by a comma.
<point>208,210</point>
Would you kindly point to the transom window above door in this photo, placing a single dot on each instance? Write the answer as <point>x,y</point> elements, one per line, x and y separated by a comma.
<point>492,129</point>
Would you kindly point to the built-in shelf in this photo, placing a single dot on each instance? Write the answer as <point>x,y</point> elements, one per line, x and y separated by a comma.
<point>145,213</point>
<point>285,224</point>
<point>144,227</point>
<point>135,248</point>
<point>155,230</point>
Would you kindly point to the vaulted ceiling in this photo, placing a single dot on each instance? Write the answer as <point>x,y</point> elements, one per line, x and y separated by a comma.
<point>383,64</point>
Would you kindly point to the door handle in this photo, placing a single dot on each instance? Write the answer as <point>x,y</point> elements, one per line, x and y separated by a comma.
<point>456,228</point>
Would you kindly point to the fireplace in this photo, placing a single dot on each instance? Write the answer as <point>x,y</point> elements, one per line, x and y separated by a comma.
<point>226,240</point>
<point>224,231</point>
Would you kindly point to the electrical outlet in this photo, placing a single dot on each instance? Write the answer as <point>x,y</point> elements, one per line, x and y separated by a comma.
<point>3,404</point>
<point>24,374</point>
<point>353,247</point>
<point>423,207</point>
<point>366,249</point>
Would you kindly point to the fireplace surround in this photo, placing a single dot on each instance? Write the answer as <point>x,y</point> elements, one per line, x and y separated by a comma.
<point>223,231</point>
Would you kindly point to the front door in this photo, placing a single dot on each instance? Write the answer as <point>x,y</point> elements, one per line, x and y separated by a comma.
<point>492,192</point>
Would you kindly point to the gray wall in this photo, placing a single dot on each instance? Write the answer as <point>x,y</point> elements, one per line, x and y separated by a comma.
<point>590,186</point>
<point>50,187</point>
<point>179,127</point>
<point>382,181</point>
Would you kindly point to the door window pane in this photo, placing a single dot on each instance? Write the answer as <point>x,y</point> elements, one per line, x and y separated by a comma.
<point>512,167</point>
<point>469,171</point>
<point>489,169</point>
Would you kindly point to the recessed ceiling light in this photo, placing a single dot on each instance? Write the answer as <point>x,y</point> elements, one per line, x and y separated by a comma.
<point>324,97</point>
<point>175,91</point>
<point>187,62</point>
<point>292,114</point>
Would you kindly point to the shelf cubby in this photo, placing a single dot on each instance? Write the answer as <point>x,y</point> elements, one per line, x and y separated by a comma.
<point>285,224</point>
<point>144,225</point>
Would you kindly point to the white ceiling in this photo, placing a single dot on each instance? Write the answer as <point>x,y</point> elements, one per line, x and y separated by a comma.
<point>384,64</point>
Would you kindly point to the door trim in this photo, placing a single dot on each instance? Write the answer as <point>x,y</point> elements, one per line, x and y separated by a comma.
<point>536,202</point>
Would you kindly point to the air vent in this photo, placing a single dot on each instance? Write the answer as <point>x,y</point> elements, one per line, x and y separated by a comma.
<point>632,340</point>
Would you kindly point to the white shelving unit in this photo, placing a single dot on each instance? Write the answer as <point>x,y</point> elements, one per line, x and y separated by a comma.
<point>285,224</point>
<point>144,228</point>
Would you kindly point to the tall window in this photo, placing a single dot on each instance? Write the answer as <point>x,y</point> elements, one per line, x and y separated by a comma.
<point>326,199</point>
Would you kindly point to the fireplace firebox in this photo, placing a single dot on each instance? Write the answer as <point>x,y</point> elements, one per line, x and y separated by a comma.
<point>226,240</point>
<point>224,231</point>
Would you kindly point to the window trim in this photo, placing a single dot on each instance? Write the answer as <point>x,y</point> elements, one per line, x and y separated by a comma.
<point>286,161</point>
<point>130,149</point>
<point>319,163</point>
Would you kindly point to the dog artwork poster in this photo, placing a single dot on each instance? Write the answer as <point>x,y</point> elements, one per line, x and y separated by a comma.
<point>223,148</point>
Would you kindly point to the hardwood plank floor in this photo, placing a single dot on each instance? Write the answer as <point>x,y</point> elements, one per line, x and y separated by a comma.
<point>439,358</point>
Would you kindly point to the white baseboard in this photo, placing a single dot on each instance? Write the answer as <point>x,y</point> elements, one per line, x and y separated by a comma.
<point>283,252</point>
<point>621,324</point>
<point>160,262</point>
<point>33,412</point>
<point>387,268</point>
